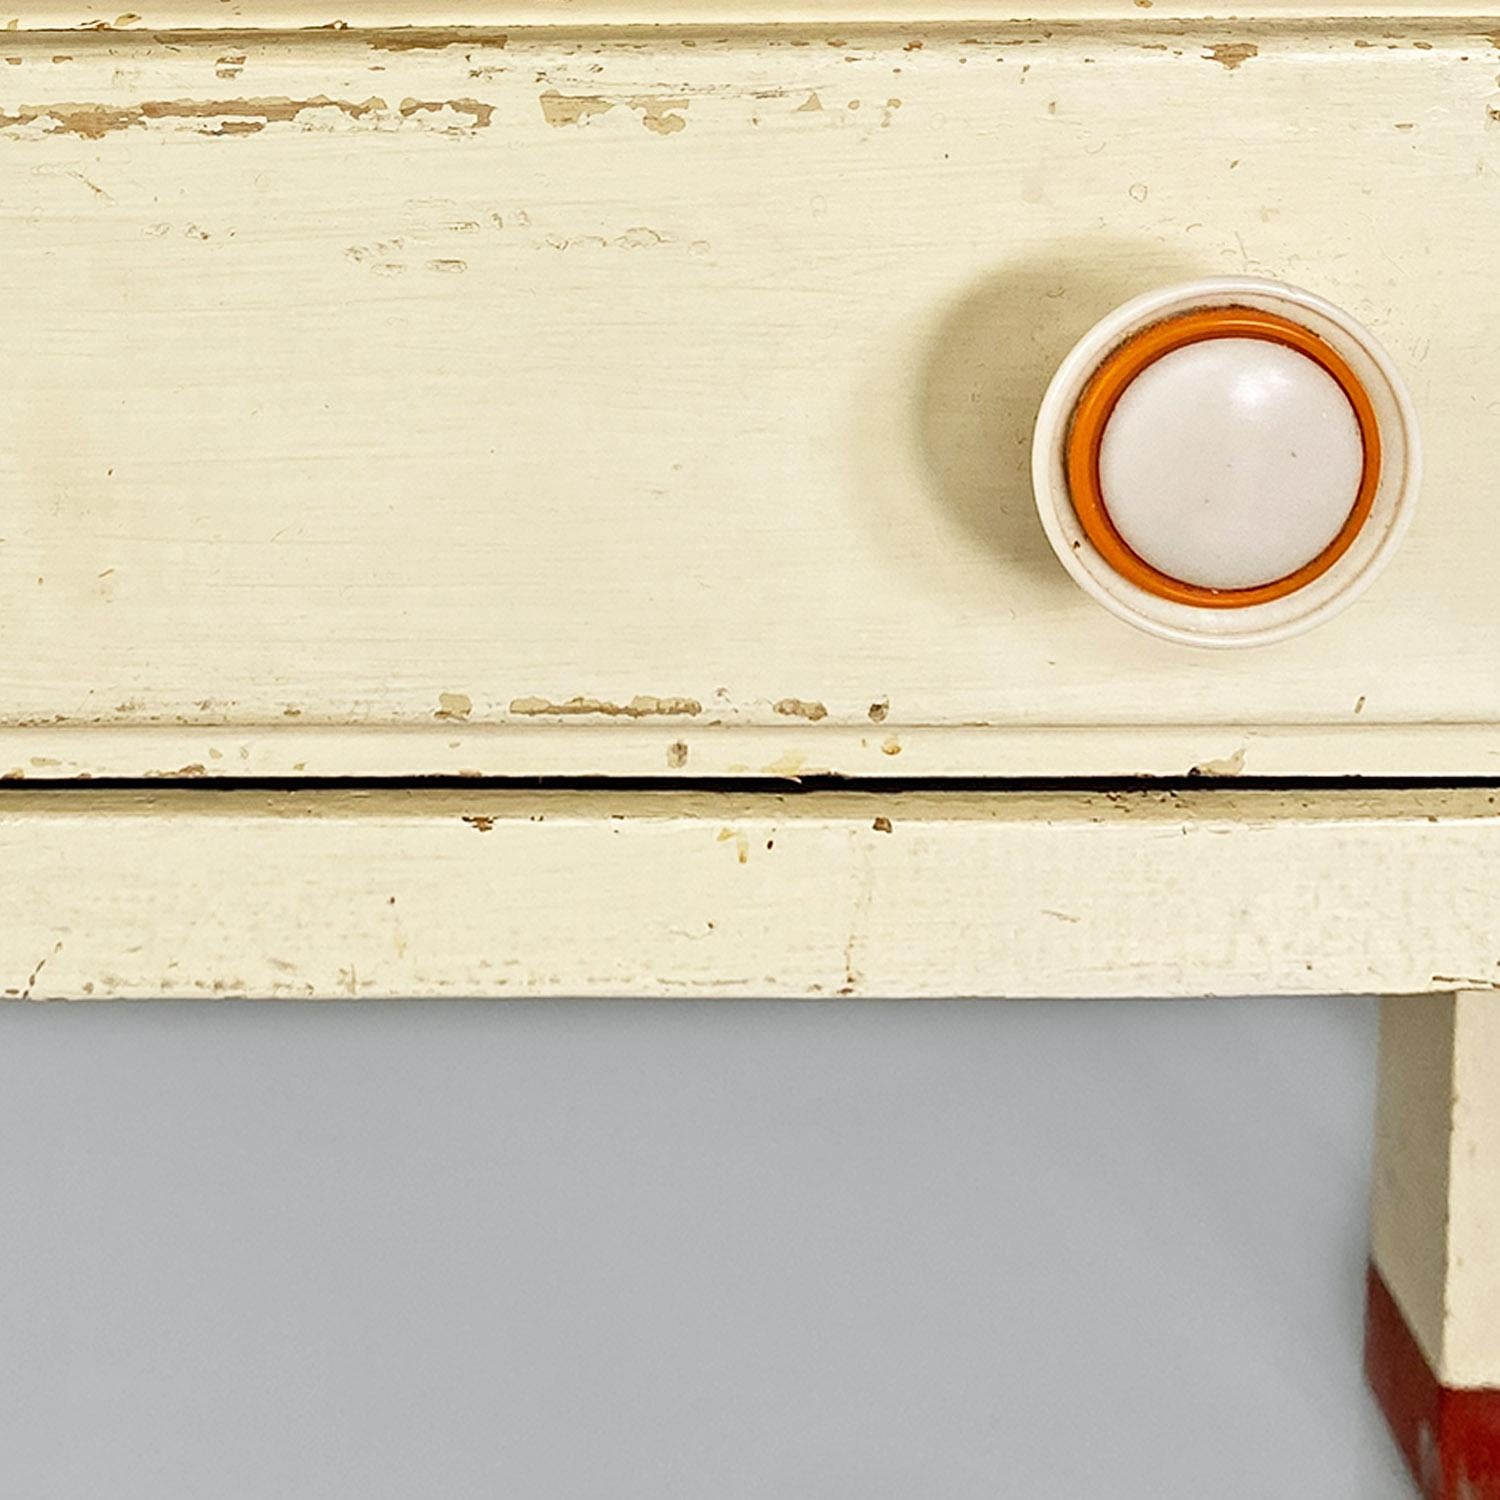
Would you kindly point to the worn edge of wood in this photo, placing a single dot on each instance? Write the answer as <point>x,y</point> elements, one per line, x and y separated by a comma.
<point>1435,1179</point>
<point>685,749</point>
<point>494,893</point>
<point>436,17</point>
<point>1410,1171</point>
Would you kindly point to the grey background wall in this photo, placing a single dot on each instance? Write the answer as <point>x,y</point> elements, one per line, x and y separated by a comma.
<point>601,1251</point>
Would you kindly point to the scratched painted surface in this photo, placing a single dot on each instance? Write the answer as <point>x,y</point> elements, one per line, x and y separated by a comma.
<point>191,892</point>
<point>658,402</point>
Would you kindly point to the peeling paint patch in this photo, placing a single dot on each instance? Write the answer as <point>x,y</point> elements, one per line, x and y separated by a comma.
<point>892,746</point>
<point>660,116</point>
<point>480,114</point>
<point>879,710</point>
<point>559,109</point>
<point>453,706</point>
<point>809,105</point>
<point>882,825</point>
<point>677,754</point>
<point>1231,55</point>
<point>801,708</point>
<point>94,121</point>
<point>481,821</point>
<point>642,706</point>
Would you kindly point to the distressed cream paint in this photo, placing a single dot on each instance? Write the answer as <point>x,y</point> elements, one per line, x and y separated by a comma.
<point>550,387</point>
<point>553,372</point>
<point>392,891</point>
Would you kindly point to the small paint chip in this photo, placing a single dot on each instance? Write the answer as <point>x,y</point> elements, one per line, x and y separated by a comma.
<point>642,706</point>
<point>559,109</point>
<point>1231,55</point>
<point>882,825</point>
<point>481,821</point>
<point>801,708</point>
<point>481,113</point>
<point>661,116</point>
<point>453,706</point>
<point>809,105</point>
<point>677,754</point>
<point>879,710</point>
<point>892,746</point>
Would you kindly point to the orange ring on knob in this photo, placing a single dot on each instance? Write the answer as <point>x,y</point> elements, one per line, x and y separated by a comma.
<point>1102,394</point>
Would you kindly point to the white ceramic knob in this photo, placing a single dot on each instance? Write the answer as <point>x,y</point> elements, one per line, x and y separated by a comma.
<point>1226,463</point>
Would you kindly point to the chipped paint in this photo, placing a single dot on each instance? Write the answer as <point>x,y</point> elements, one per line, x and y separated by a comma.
<point>482,821</point>
<point>559,109</point>
<point>741,843</point>
<point>453,706</point>
<point>660,116</point>
<point>423,39</point>
<point>95,121</point>
<point>882,824</point>
<point>801,708</point>
<point>1231,55</point>
<point>642,706</point>
<point>480,114</point>
<point>878,710</point>
<point>677,754</point>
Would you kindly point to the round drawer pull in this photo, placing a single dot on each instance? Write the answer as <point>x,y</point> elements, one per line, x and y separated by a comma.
<point>1226,463</point>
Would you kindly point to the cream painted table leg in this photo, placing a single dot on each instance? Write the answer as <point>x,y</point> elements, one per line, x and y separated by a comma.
<point>1432,1349</point>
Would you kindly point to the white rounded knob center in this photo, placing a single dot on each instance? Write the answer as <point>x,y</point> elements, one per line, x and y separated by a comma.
<point>1231,463</point>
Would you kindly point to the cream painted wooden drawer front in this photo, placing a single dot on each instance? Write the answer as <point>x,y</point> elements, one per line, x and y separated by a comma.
<point>512,398</point>
<point>498,389</point>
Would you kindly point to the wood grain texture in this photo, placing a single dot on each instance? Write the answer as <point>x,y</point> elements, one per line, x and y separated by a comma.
<point>577,402</point>
<point>630,893</point>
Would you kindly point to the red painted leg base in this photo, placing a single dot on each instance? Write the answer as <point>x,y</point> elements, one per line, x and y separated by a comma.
<point>1451,1438</point>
